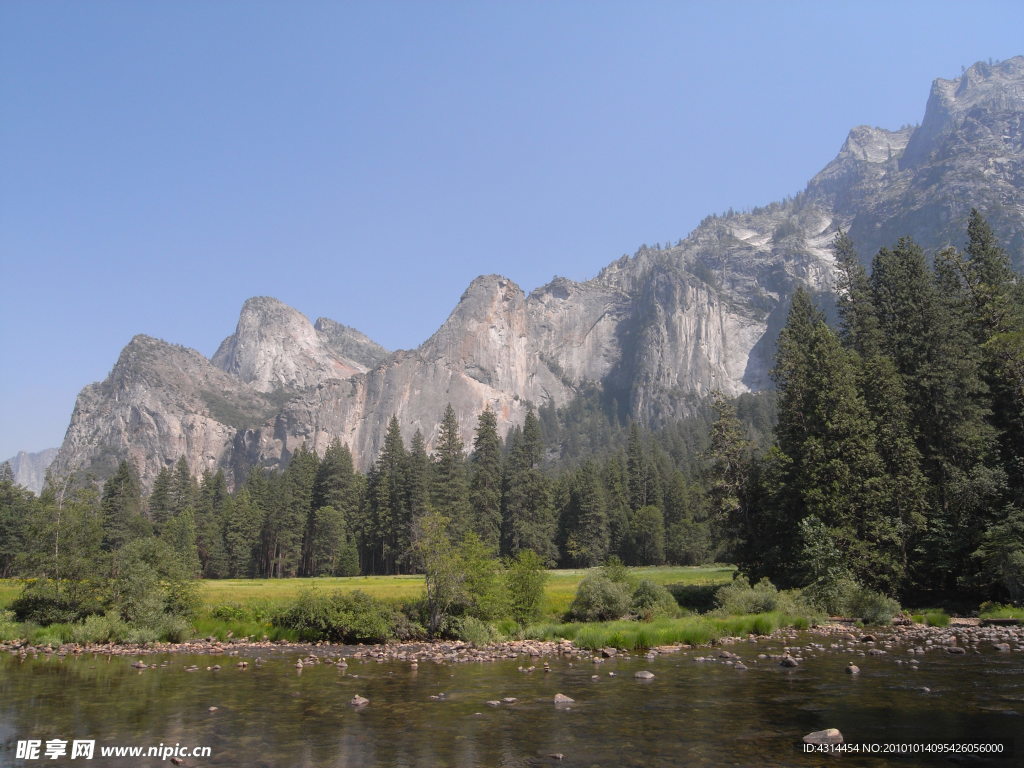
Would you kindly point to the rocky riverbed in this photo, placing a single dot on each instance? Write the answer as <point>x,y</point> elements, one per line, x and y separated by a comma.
<point>913,640</point>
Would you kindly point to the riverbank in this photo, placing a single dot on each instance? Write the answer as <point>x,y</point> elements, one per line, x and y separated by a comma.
<point>914,640</point>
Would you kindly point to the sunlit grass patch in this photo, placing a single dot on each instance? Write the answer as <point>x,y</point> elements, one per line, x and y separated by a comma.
<point>638,635</point>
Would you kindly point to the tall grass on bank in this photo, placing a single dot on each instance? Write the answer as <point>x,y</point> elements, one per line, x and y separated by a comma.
<point>997,611</point>
<point>690,630</point>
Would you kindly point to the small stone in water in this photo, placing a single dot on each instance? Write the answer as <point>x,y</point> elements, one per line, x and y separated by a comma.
<point>828,736</point>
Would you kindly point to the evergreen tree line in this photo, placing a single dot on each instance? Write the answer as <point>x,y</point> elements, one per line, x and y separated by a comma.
<point>641,498</point>
<point>898,460</point>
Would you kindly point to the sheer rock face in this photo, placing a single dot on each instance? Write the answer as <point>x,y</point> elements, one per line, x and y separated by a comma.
<point>658,330</point>
<point>30,468</point>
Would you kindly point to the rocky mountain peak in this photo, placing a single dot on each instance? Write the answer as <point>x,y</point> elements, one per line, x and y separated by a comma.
<point>276,347</point>
<point>983,91</point>
<point>350,344</point>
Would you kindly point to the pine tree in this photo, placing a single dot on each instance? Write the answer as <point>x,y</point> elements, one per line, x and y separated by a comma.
<point>180,534</point>
<point>121,504</point>
<point>291,518</point>
<point>419,473</point>
<point>450,493</point>
<point>641,474</point>
<point>728,457</point>
<point>485,480</point>
<point>209,525</point>
<point>925,325</point>
<point>183,490</point>
<point>390,520</point>
<point>647,536</point>
<point>588,538</point>
<point>528,517</point>
<point>159,505</point>
<point>241,534</point>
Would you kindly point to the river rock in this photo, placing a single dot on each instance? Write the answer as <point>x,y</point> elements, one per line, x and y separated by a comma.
<point>828,736</point>
<point>643,674</point>
<point>852,669</point>
<point>359,701</point>
<point>788,661</point>
<point>561,698</point>
<point>609,652</point>
<point>956,650</point>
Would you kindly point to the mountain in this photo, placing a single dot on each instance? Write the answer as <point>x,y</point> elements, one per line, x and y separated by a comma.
<point>30,468</point>
<point>656,332</point>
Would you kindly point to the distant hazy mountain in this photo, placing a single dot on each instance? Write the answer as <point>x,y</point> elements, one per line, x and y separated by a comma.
<point>657,331</point>
<point>30,468</point>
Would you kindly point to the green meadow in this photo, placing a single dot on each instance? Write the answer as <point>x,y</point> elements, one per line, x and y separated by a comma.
<point>558,593</point>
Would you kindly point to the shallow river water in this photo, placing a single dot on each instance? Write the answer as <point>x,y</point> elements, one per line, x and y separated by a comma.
<point>690,714</point>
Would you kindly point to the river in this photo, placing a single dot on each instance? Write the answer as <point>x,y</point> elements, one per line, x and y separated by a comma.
<point>692,713</point>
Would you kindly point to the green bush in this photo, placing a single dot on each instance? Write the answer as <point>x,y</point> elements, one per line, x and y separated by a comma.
<point>833,596</point>
<point>873,607</point>
<point>598,598</point>
<point>739,598</point>
<point>936,618</point>
<point>344,617</point>
<point>473,631</point>
<point>524,583</point>
<point>652,600</point>
<point>108,628</point>
<point>46,601</point>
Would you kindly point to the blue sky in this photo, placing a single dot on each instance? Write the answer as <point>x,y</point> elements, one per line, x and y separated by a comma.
<point>160,162</point>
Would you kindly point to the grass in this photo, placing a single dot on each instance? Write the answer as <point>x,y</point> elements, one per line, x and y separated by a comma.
<point>244,606</point>
<point>558,593</point>
<point>931,617</point>
<point>690,630</point>
<point>996,611</point>
<point>9,589</point>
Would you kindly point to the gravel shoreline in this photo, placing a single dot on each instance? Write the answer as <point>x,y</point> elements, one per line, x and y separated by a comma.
<point>956,639</point>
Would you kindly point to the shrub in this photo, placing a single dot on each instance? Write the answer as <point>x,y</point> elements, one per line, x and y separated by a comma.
<point>45,601</point>
<point>108,628</point>
<point>740,597</point>
<point>598,598</point>
<point>615,570</point>
<point>990,610</point>
<point>832,596</point>
<point>346,617</point>
<point>936,618</point>
<point>472,630</point>
<point>872,607</point>
<point>524,583</point>
<point>651,600</point>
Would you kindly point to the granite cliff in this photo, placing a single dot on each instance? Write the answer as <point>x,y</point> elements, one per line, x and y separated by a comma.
<point>658,330</point>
